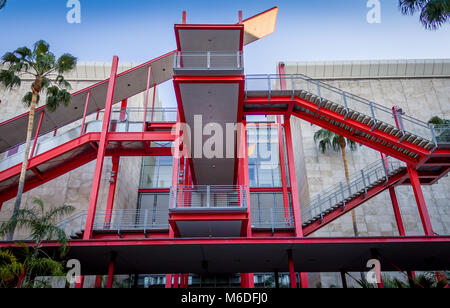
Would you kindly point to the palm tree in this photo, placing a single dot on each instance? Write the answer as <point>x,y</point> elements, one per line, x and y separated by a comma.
<point>329,140</point>
<point>42,226</point>
<point>47,72</point>
<point>433,13</point>
<point>2,3</point>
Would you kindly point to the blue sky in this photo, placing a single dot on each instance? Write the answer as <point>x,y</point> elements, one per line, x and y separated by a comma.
<point>138,30</point>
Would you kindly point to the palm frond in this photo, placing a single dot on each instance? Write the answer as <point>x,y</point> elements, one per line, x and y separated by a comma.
<point>27,98</point>
<point>57,97</point>
<point>66,63</point>
<point>434,15</point>
<point>59,212</point>
<point>409,7</point>
<point>9,80</point>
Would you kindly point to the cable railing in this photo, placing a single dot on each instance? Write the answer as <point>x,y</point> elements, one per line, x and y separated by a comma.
<point>273,219</point>
<point>378,113</point>
<point>205,196</point>
<point>209,60</point>
<point>122,120</point>
<point>121,220</point>
<point>360,183</point>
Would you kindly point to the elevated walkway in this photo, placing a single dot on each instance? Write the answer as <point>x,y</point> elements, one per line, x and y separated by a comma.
<point>56,155</point>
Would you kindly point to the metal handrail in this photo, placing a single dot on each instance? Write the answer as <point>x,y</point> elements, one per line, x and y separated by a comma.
<point>359,184</point>
<point>210,60</point>
<point>91,126</point>
<point>441,133</point>
<point>206,196</point>
<point>416,126</point>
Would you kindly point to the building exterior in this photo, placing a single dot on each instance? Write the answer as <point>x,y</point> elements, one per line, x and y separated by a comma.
<point>230,189</point>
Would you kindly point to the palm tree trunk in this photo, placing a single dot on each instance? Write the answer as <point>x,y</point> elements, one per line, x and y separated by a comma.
<point>25,159</point>
<point>343,145</point>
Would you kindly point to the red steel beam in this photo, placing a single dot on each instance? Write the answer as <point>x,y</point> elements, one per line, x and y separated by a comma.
<point>284,185</point>
<point>101,151</point>
<point>86,105</point>
<point>112,190</point>
<point>374,145</point>
<point>236,241</point>
<point>293,180</point>
<point>420,200</point>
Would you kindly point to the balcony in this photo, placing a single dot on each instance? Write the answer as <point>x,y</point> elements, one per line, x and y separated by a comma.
<point>209,63</point>
<point>208,211</point>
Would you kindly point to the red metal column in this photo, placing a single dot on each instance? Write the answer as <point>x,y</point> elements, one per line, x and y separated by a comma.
<point>123,109</point>
<point>112,191</point>
<point>415,182</point>
<point>283,169</point>
<point>176,158</point>
<point>421,205</point>
<point>79,285</point>
<point>176,279</point>
<point>36,136</point>
<point>293,180</point>
<point>294,192</point>
<point>98,282</point>
<point>168,281</point>
<point>153,103</point>
<point>292,274</point>
<point>149,75</point>
<point>394,201</point>
<point>248,278</point>
<point>86,105</point>
<point>101,152</point>
<point>398,217</point>
<point>109,283</point>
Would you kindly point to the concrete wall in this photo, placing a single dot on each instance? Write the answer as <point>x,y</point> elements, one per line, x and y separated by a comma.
<point>419,97</point>
<point>74,188</point>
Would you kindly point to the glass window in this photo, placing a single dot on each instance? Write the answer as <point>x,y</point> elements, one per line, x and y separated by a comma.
<point>264,159</point>
<point>156,172</point>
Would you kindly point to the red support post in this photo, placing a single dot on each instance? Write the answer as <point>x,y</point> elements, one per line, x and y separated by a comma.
<point>241,19</point>
<point>175,172</point>
<point>287,213</point>
<point>98,282</point>
<point>415,182</point>
<point>149,76</point>
<point>123,109</point>
<point>176,279</point>
<point>292,274</point>
<point>80,282</point>
<point>86,106</point>
<point>420,200</point>
<point>153,103</point>
<point>109,283</point>
<point>293,180</point>
<point>394,201</point>
<point>112,191</point>
<point>294,192</point>
<point>36,136</point>
<point>101,152</point>
<point>304,282</point>
<point>168,281</point>
<point>184,18</point>
<point>398,216</point>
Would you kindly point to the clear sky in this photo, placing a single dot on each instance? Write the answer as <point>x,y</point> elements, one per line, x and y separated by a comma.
<point>140,30</point>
